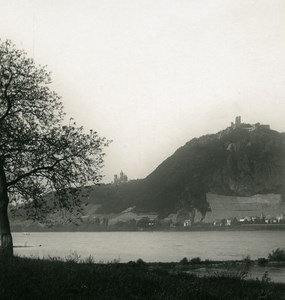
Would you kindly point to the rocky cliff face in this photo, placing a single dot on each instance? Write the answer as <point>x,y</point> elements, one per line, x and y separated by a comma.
<point>254,162</point>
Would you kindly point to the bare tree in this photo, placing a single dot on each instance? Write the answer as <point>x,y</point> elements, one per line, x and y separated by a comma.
<point>38,153</point>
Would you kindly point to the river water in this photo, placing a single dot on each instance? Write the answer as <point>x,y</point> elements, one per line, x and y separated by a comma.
<point>150,246</point>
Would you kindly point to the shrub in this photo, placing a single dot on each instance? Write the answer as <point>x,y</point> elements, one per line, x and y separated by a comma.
<point>132,263</point>
<point>195,260</point>
<point>184,261</point>
<point>262,261</point>
<point>141,262</point>
<point>247,259</point>
<point>73,257</point>
<point>277,255</point>
<point>89,260</point>
<point>265,278</point>
<point>231,273</point>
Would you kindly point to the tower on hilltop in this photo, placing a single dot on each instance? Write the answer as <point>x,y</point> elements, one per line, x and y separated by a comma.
<point>237,122</point>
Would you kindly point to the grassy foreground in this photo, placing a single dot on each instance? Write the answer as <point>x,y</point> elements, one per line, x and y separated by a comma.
<point>28,278</point>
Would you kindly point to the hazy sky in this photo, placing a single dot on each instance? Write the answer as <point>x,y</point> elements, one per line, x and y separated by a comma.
<point>153,74</point>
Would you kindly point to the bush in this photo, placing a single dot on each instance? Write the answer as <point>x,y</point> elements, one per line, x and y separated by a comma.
<point>141,262</point>
<point>184,261</point>
<point>262,261</point>
<point>247,259</point>
<point>73,257</point>
<point>277,255</point>
<point>195,260</point>
<point>265,278</point>
<point>231,273</point>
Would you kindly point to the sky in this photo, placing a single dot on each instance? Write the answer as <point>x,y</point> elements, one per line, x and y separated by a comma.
<point>153,74</point>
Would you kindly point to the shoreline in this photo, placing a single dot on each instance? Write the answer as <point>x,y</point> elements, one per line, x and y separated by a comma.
<point>73,279</point>
<point>198,227</point>
<point>249,269</point>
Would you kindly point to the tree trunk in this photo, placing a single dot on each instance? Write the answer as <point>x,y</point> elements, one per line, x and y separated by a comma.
<point>6,247</point>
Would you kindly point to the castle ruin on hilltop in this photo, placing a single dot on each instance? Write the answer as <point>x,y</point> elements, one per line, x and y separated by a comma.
<point>249,127</point>
<point>122,179</point>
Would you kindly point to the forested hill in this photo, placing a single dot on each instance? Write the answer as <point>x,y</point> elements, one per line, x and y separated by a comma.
<point>241,160</point>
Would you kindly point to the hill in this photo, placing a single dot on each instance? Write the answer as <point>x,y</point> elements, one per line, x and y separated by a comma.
<point>227,172</point>
<point>242,160</point>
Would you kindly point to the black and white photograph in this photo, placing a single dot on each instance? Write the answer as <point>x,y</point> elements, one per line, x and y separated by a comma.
<point>142,149</point>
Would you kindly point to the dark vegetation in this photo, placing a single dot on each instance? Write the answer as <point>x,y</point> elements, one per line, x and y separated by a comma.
<point>277,255</point>
<point>193,261</point>
<point>55,279</point>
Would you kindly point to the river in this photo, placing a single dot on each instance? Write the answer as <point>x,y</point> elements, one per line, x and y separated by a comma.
<point>149,246</point>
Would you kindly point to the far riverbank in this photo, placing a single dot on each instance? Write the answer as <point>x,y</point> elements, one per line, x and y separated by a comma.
<point>196,227</point>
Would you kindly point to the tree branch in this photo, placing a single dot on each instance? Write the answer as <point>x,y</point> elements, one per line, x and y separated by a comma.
<point>34,171</point>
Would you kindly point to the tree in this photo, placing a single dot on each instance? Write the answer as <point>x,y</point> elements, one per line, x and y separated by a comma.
<point>39,153</point>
